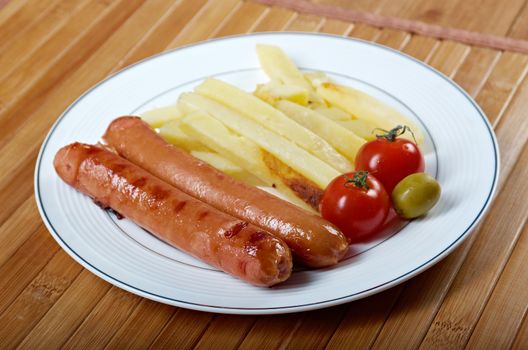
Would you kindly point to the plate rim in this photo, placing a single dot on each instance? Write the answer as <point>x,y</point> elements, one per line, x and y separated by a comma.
<point>281,309</point>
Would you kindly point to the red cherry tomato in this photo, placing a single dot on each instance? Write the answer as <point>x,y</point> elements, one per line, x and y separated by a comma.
<point>357,204</point>
<point>390,159</point>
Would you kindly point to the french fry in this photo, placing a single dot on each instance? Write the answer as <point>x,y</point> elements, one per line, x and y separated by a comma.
<point>273,120</point>
<point>286,151</point>
<point>238,149</point>
<point>361,128</point>
<point>173,133</point>
<point>228,167</point>
<point>333,113</point>
<point>278,66</point>
<point>303,188</point>
<point>273,91</point>
<point>316,79</point>
<point>342,139</point>
<point>367,108</point>
<point>159,116</point>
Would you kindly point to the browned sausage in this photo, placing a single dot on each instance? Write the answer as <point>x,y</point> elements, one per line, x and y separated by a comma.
<point>313,240</point>
<point>234,246</point>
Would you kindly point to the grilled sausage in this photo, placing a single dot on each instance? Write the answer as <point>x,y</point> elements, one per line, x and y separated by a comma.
<point>230,244</point>
<point>313,240</point>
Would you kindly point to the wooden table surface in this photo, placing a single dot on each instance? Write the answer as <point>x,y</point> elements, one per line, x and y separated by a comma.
<point>51,51</point>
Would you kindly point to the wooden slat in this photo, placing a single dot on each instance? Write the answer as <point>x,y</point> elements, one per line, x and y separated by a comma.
<point>14,196</point>
<point>332,26</point>
<point>519,28</point>
<point>205,22</point>
<point>305,23</point>
<point>143,326</point>
<point>422,48</point>
<point>484,16</point>
<point>29,83</point>
<point>36,299</point>
<point>362,31</point>
<point>41,72</point>
<point>65,316</point>
<point>316,328</point>
<point>16,230</point>
<point>393,38</point>
<point>275,18</point>
<point>16,25</point>
<point>521,340</point>
<point>9,9</point>
<point>511,130</point>
<point>501,308</point>
<point>113,309</point>
<point>270,332</point>
<point>448,57</point>
<point>243,20</point>
<point>502,84</point>
<point>174,21</point>
<point>184,330</point>
<point>24,265</point>
<point>228,330</point>
<point>473,73</point>
<point>39,33</point>
<point>363,320</point>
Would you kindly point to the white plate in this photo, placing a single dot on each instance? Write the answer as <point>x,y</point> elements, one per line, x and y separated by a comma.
<point>461,151</point>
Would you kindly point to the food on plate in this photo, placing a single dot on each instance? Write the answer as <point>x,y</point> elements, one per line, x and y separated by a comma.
<point>306,190</point>
<point>227,166</point>
<point>296,133</point>
<point>360,128</point>
<point>305,163</point>
<point>357,204</point>
<point>343,140</point>
<point>367,108</point>
<point>280,68</point>
<point>240,150</point>
<point>189,172</point>
<point>233,245</point>
<point>274,91</point>
<point>173,133</point>
<point>313,240</point>
<point>415,195</point>
<point>159,116</point>
<point>391,158</point>
<point>271,119</point>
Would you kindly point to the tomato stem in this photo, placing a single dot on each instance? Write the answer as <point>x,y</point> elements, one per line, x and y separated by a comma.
<point>359,180</point>
<point>393,133</point>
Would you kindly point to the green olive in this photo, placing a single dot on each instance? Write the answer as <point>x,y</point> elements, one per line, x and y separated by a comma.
<point>415,195</point>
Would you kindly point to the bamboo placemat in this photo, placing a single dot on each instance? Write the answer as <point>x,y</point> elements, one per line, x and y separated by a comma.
<point>52,51</point>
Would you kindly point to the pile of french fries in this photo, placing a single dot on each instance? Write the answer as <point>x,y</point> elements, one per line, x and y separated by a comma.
<point>295,133</point>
